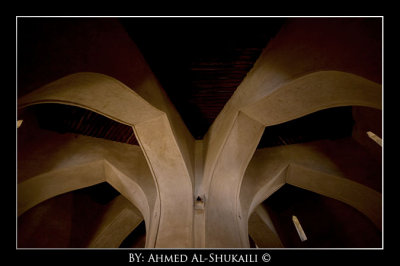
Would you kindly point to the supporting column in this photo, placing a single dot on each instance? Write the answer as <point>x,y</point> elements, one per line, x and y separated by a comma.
<point>173,181</point>
<point>223,210</point>
<point>199,199</point>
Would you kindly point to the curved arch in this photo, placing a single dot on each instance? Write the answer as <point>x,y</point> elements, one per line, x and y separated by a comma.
<point>96,92</point>
<point>51,164</point>
<point>134,193</point>
<point>273,183</point>
<point>271,168</point>
<point>224,188</point>
<point>111,98</point>
<point>48,185</point>
<point>367,201</point>
<point>307,94</point>
<point>360,197</point>
<point>313,92</point>
<point>364,199</point>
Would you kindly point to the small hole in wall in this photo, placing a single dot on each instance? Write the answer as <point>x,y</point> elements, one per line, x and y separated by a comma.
<point>199,203</point>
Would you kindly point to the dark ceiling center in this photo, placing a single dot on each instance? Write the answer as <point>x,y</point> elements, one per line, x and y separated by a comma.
<point>201,62</point>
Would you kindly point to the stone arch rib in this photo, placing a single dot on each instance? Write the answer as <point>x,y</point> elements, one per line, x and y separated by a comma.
<point>109,97</point>
<point>307,166</point>
<point>314,92</point>
<point>48,185</point>
<point>96,92</point>
<point>307,94</point>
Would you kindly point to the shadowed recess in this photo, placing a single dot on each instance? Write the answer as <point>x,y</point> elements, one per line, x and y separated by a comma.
<point>70,119</point>
<point>332,123</point>
<point>339,225</point>
<point>137,238</point>
<point>68,220</point>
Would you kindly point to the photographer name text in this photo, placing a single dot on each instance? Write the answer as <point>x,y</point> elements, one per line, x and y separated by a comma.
<point>211,257</point>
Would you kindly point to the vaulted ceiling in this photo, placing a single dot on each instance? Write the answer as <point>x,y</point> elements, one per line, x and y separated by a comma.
<point>199,63</point>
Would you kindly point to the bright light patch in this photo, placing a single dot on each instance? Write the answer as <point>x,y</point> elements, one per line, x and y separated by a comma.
<point>299,229</point>
<point>19,123</point>
<point>375,138</point>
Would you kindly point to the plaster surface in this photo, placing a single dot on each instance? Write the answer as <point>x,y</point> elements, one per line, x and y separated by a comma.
<point>329,66</point>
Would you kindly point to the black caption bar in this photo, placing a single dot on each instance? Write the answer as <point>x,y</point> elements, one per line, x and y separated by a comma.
<point>196,256</point>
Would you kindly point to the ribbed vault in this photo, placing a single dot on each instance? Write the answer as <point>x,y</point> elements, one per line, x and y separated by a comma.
<point>195,192</point>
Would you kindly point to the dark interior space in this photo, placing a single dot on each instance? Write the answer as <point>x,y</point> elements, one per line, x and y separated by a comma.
<point>332,124</point>
<point>71,119</point>
<point>327,223</point>
<point>200,62</point>
<point>70,220</point>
